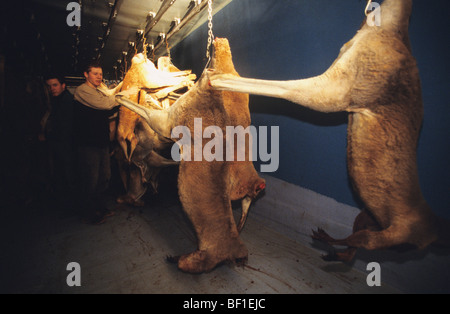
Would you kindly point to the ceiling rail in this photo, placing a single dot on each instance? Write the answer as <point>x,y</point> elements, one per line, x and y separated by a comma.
<point>108,26</point>
<point>186,19</point>
<point>154,20</point>
<point>164,7</point>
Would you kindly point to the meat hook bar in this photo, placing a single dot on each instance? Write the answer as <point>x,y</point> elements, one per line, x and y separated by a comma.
<point>183,22</point>
<point>164,7</point>
<point>112,16</point>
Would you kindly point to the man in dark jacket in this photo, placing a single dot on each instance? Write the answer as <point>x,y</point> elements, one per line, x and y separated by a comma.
<point>59,134</point>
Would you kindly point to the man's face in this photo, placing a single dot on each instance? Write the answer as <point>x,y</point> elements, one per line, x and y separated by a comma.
<point>94,77</point>
<point>55,87</point>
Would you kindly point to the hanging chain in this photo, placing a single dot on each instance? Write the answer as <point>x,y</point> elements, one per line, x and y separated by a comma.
<point>210,32</point>
<point>167,47</point>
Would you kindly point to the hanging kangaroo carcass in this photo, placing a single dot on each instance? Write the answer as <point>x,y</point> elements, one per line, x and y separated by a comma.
<point>139,158</point>
<point>375,78</point>
<point>144,74</point>
<point>206,188</point>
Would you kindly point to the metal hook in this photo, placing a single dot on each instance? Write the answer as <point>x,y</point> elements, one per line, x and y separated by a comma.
<point>369,2</point>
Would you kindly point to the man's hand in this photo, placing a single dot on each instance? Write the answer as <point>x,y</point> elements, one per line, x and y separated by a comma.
<point>131,91</point>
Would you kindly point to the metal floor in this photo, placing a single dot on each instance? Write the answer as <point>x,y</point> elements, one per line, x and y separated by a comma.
<point>127,255</point>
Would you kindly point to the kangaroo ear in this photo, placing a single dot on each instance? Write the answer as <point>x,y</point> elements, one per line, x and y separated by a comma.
<point>158,120</point>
